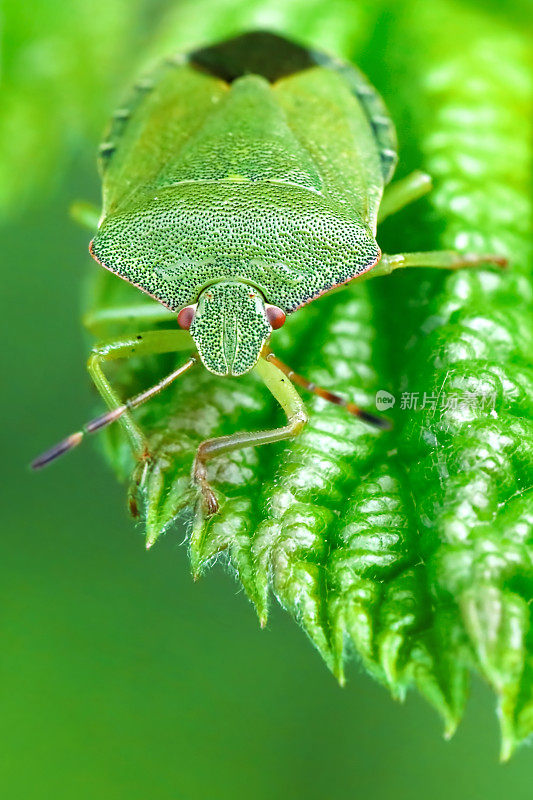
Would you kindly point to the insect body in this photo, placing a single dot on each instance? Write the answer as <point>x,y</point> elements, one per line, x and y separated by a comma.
<point>243,196</point>
<point>240,182</point>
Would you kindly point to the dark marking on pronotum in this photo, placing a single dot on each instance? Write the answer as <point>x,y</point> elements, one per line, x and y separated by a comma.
<point>251,53</point>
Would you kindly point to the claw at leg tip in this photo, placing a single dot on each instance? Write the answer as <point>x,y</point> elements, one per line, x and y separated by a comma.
<point>210,504</point>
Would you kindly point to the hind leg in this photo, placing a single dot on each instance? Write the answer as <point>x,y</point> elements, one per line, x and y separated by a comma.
<point>403,192</point>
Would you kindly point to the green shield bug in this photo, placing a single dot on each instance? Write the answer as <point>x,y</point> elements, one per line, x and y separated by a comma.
<point>241,181</point>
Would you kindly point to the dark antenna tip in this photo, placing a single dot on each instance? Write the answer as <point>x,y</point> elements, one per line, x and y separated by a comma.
<point>57,450</point>
<point>382,423</point>
<point>108,417</point>
<point>371,419</point>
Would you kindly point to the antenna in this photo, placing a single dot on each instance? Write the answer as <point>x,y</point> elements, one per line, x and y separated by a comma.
<point>331,397</point>
<point>106,419</point>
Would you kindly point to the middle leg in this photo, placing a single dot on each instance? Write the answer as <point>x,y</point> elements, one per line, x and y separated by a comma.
<point>438,259</point>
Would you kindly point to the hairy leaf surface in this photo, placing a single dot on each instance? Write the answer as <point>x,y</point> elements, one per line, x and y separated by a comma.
<point>411,550</point>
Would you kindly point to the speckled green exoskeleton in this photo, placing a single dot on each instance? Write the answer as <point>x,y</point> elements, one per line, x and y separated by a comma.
<point>242,181</point>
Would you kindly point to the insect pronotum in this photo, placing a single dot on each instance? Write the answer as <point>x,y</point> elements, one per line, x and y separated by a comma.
<point>240,182</point>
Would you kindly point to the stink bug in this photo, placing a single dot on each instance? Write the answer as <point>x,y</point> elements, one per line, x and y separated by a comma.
<point>242,181</point>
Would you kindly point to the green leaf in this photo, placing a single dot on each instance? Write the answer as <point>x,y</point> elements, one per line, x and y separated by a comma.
<point>410,550</point>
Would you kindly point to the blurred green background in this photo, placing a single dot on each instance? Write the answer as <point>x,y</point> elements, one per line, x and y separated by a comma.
<point>120,677</point>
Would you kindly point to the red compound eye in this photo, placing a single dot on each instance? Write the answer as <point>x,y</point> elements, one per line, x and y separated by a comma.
<point>276,316</point>
<point>186,316</point>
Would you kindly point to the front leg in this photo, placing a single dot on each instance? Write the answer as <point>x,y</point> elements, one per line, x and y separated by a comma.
<point>141,344</point>
<point>291,402</point>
